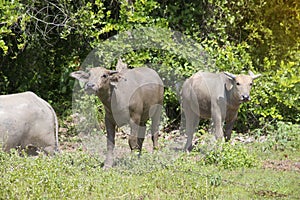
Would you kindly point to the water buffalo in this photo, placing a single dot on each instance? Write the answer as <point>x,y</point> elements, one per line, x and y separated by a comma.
<point>217,96</point>
<point>26,120</point>
<point>130,96</point>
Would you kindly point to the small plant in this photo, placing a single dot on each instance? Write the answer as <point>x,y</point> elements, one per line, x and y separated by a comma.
<point>214,179</point>
<point>230,156</point>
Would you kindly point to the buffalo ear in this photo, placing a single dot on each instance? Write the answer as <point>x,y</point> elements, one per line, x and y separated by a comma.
<point>229,75</point>
<point>80,75</point>
<point>112,72</point>
<point>121,65</point>
<point>113,76</point>
<point>253,76</point>
<point>114,80</point>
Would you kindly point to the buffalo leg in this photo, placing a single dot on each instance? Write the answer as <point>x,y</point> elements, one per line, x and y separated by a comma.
<point>155,125</point>
<point>110,128</point>
<point>50,150</point>
<point>228,129</point>
<point>217,122</point>
<point>10,142</point>
<point>135,139</point>
<point>191,121</point>
<point>141,135</point>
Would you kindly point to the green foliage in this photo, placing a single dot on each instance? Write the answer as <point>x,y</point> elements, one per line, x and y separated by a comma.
<point>279,97</point>
<point>230,57</point>
<point>274,31</point>
<point>135,14</point>
<point>89,112</point>
<point>12,26</point>
<point>44,177</point>
<point>89,21</point>
<point>283,136</point>
<point>230,156</point>
<point>165,174</point>
<point>41,42</point>
<point>287,136</point>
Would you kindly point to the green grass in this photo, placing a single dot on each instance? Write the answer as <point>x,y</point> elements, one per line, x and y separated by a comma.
<point>236,172</point>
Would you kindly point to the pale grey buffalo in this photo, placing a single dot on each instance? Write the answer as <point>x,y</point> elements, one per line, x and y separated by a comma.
<point>217,96</point>
<point>27,121</point>
<point>130,96</point>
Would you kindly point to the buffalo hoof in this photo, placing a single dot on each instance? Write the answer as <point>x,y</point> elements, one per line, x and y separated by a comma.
<point>108,163</point>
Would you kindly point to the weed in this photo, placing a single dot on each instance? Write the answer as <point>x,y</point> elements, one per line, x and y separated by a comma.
<point>230,156</point>
<point>214,179</point>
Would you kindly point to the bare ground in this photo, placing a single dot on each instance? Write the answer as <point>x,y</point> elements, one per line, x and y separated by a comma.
<point>97,145</point>
<point>282,165</point>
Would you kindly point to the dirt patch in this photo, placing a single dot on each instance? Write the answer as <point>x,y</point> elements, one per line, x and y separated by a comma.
<point>282,165</point>
<point>69,146</point>
<point>268,193</point>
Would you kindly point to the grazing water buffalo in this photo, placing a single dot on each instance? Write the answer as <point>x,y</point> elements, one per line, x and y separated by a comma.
<point>217,96</point>
<point>26,120</point>
<point>130,96</point>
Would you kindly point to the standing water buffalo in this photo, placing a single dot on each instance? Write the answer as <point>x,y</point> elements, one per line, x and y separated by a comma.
<point>26,120</point>
<point>217,96</point>
<point>129,96</point>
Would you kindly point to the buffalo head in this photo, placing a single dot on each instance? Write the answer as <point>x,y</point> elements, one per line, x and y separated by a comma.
<point>95,79</point>
<point>242,85</point>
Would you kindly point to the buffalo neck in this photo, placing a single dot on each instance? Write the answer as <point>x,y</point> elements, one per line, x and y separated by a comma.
<point>104,94</point>
<point>233,102</point>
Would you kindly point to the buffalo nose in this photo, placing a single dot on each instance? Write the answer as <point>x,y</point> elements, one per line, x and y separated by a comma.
<point>90,85</point>
<point>245,97</point>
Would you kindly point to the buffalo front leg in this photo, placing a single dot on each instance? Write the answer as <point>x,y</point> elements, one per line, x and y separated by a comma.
<point>228,129</point>
<point>110,128</point>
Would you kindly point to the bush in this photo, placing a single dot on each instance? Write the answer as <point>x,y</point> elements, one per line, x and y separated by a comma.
<point>41,42</point>
<point>230,156</point>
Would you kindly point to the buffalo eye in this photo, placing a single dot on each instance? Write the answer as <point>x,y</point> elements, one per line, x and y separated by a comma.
<point>104,76</point>
<point>251,84</point>
<point>237,83</point>
<point>87,75</point>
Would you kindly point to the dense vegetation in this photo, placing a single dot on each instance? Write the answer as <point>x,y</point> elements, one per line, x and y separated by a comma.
<point>41,42</point>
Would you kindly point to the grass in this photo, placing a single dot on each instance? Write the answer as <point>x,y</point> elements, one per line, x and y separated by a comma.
<point>237,172</point>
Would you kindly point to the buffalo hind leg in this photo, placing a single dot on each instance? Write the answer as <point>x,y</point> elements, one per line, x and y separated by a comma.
<point>191,123</point>
<point>217,122</point>
<point>50,150</point>
<point>137,134</point>
<point>155,120</point>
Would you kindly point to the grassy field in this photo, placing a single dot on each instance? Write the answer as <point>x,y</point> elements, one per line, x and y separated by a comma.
<point>267,167</point>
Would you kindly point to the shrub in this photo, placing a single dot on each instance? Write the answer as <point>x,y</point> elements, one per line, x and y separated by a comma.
<point>230,156</point>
